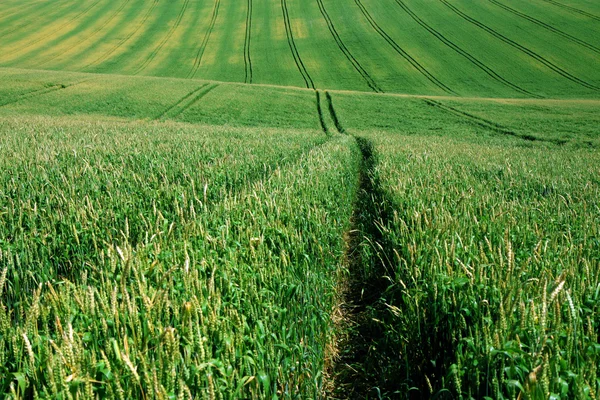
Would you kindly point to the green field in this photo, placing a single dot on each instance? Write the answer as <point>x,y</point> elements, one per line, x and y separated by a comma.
<point>299,199</point>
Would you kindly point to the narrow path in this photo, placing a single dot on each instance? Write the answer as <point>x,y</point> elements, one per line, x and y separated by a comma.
<point>539,58</point>
<point>472,59</point>
<point>357,365</point>
<point>349,56</point>
<point>247,39</point>
<point>546,26</point>
<point>292,43</point>
<point>410,59</point>
<point>202,48</point>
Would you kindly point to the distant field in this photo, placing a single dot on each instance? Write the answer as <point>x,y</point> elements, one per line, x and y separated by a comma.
<point>497,48</point>
<point>299,199</point>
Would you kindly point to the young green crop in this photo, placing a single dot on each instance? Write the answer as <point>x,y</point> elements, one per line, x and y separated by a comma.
<point>490,258</point>
<point>216,282</point>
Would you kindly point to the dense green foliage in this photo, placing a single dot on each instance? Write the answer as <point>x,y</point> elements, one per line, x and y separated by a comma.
<point>299,199</point>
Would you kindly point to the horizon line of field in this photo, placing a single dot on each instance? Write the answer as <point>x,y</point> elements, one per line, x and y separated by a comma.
<point>486,98</point>
<point>193,97</point>
<point>342,47</point>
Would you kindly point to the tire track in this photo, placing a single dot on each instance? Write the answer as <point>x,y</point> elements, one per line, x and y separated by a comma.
<point>200,53</point>
<point>489,125</point>
<point>247,59</point>
<point>165,39</point>
<point>472,59</point>
<point>549,64</point>
<point>290,38</point>
<point>546,26</point>
<point>43,91</point>
<point>91,35</point>
<point>105,56</point>
<point>320,113</point>
<point>334,116</point>
<point>58,29</point>
<point>23,11</point>
<point>179,102</point>
<point>402,52</point>
<point>577,10</point>
<point>372,84</point>
<point>194,101</point>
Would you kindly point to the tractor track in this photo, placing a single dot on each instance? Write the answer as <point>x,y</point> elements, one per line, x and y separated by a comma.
<point>290,38</point>
<point>546,26</point>
<point>105,56</point>
<point>200,52</point>
<point>17,27</point>
<point>91,35</point>
<point>247,59</point>
<point>487,124</point>
<point>336,121</point>
<point>479,64</point>
<point>320,113</point>
<point>180,101</point>
<point>372,84</point>
<point>170,33</point>
<point>577,10</point>
<point>43,91</point>
<point>549,64</point>
<point>194,100</point>
<point>401,51</point>
<point>58,29</point>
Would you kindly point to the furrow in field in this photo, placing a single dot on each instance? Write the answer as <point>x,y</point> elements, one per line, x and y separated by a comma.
<point>165,39</point>
<point>571,8</point>
<point>320,113</point>
<point>179,102</point>
<point>202,48</point>
<point>546,26</point>
<point>43,91</point>
<point>472,59</point>
<point>401,51</point>
<point>487,124</point>
<point>557,69</point>
<point>247,59</point>
<point>110,52</point>
<point>334,116</point>
<point>193,101</point>
<point>290,38</point>
<point>40,13</point>
<point>57,29</point>
<point>86,38</point>
<point>23,10</point>
<point>372,84</point>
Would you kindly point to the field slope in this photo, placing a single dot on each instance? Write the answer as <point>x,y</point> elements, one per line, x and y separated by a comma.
<point>299,199</point>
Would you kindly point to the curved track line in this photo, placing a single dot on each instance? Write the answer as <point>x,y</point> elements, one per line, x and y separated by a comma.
<point>9,16</point>
<point>334,116</point>
<point>372,84</point>
<point>560,71</point>
<point>105,56</point>
<point>487,124</point>
<point>577,10</point>
<point>320,114</point>
<point>546,26</point>
<point>247,59</point>
<point>165,39</point>
<point>194,101</point>
<point>60,27</point>
<point>43,91</point>
<point>91,35</point>
<point>180,101</point>
<point>401,51</point>
<point>489,71</point>
<point>200,53</point>
<point>290,38</point>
